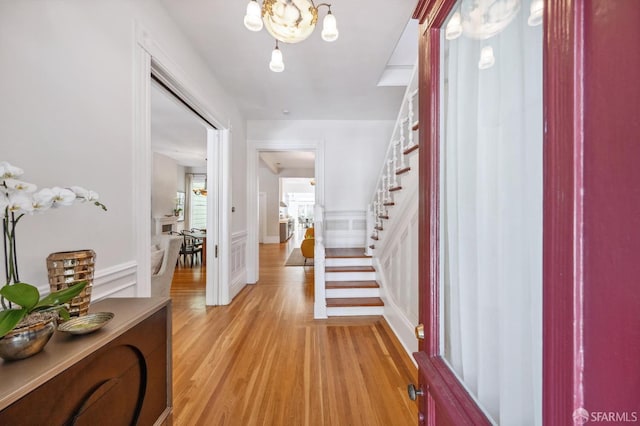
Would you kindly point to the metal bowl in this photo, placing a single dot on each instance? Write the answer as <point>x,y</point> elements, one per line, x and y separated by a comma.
<point>86,324</point>
<point>27,341</point>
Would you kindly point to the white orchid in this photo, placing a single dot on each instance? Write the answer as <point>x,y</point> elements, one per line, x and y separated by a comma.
<point>62,196</point>
<point>8,171</point>
<point>20,186</point>
<point>42,200</point>
<point>18,198</point>
<point>19,203</point>
<point>85,194</point>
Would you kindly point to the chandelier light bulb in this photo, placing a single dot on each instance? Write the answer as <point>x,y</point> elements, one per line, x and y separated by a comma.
<point>276,64</point>
<point>536,12</point>
<point>486,58</point>
<point>454,27</point>
<point>253,18</point>
<point>329,28</point>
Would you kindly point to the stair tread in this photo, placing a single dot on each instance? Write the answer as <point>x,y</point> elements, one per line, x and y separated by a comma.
<point>411,149</point>
<point>349,269</point>
<point>354,301</point>
<point>344,253</point>
<point>395,188</point>
<point>403,170</point>
<point>352,284</point>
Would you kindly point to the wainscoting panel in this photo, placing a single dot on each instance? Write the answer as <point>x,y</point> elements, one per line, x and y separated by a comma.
<point>115,281</point>
<point>345,228</point>
<point>238,263</point>
<point>397,268</point>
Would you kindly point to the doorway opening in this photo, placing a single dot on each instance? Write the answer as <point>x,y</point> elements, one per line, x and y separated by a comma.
<point>263,173</point>
<point>153,65</point>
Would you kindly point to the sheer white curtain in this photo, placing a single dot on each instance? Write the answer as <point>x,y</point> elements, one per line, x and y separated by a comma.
<point>491,219</point>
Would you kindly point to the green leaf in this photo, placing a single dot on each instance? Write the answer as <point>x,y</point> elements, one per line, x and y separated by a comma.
<point>64,314</point>
<point>61,296</point>
<point>10,318</point>
<point>22,294</point>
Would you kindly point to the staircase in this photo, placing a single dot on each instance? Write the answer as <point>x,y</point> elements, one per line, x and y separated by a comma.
<point>346,282</point>
<point>350,283</point>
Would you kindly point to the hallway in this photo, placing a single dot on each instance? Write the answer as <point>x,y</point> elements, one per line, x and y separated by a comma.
<point>263,360</point>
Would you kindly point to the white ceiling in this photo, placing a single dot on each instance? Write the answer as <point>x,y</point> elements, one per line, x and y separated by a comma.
<point>321,80</point>
<point>359,76</point>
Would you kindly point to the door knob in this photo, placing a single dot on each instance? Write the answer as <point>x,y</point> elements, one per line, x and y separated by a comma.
<point>420,331</point>
<point>413,392</point>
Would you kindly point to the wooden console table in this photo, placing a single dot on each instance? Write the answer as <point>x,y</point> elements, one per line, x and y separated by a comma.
<point>118,375</point>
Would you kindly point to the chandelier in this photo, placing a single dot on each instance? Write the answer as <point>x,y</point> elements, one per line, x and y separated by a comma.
<point>288,21</point>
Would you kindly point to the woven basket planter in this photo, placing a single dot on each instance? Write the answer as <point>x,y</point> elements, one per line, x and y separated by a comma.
<point>71,267</point>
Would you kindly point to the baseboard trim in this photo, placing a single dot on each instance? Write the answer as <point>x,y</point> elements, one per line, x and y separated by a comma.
<point>271,240</point>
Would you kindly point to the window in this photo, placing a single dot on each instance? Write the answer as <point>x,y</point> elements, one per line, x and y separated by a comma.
<point>491,206</point>
<point>198,213</point>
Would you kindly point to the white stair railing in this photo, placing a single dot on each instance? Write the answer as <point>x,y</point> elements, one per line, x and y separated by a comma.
<point>320,303</point>
<point>403,141</point>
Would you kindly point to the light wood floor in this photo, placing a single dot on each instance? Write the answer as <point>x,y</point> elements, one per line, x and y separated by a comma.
<point>263,360</point>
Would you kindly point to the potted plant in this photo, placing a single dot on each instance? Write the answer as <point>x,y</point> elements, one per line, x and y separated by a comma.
<point>26,328</point>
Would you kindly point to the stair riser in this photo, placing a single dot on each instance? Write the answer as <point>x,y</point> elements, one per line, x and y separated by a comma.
<point>354,261</point>
<point>350,276</point>
<point>352,292</point>
<point>354,311</point>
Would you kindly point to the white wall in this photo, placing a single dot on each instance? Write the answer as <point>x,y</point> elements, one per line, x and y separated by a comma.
<point>163,185</point>
<point>270,184</point>
<point>67,118</point>
<point>354,151</point>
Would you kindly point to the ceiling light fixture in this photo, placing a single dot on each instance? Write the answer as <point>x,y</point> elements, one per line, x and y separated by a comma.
<point>289,21</point>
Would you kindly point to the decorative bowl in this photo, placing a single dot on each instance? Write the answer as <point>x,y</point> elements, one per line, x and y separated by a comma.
<point>86,324</point>
<point>26,341</point>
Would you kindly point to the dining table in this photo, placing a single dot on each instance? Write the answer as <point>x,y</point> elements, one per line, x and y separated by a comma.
<point>200,234</point>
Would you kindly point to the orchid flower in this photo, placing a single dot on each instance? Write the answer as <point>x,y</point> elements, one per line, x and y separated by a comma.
<point>62,196</point>
<point>42,200</point>
<point>19,186</point>
<point>8,171</point>
<point>19,203</point>
<point>85,195</point>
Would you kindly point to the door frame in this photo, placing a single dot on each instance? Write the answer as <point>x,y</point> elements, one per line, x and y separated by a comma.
<point>150,59</point>
<point>445,398</point>
<point>254,147</point>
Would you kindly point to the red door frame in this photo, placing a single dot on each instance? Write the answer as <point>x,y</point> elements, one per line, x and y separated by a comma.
<point>445,400</point>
